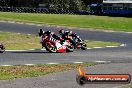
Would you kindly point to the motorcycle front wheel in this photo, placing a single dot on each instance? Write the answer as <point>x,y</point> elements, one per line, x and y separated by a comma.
<point>69,48</point>
<point>51,48</point>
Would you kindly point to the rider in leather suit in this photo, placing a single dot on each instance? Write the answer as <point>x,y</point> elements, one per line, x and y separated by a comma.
<point>49,33</point>
<point>65,34</point>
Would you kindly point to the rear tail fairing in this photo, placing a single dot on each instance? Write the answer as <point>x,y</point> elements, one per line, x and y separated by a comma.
<point>60,48</point>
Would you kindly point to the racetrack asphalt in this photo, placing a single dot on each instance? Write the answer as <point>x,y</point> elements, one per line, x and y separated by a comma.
<point>120,57</point>
<point>67,79</point>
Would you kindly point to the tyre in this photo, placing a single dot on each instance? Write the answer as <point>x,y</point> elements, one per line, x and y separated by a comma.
<point>2,49</point>
<point>80,80</point>
<point>69,48</point>
<point>50,48</point>
<point>83,46</point>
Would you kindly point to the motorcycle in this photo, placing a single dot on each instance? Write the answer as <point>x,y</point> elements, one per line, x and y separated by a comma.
<point>2,48</point>
<point>77,42</point>
<point>52,45</point>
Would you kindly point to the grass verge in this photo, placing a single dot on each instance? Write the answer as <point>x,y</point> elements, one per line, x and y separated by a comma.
<point>128,86</point>
<point>91,44</point>
<point>12,72</point>
<point>15,41</point>
<point>81,21</point>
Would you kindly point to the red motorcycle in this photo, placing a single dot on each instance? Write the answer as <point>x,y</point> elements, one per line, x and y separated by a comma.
<point>53,45</point>
<point>2,48</point>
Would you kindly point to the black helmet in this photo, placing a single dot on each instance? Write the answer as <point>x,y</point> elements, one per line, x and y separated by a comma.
<point>61,32</point>
<point>47,32</point>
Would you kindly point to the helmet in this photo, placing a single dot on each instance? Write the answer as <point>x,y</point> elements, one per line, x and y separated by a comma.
<point>61,32</point>
<point>71,32</point>
<point>47,32</point>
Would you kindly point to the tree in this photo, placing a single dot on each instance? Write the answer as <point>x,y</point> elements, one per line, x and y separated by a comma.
<point>88,2</point>
<point>72,5</point>
<point>76,5</point>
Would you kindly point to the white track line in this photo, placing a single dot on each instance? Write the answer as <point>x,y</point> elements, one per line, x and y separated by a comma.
<point>29,64</point>
<point>128,32</point>
<point>19,33</point>
<point>43,49</point>
<point>111,46</point>
<point>58,63</point>
<point>52,63</point>
<point>77,62</point>
<point>6,65</point>
<point>29,34</point>
<point>123,45</point>
<point>30,24</point>
<point>2,21</point>
<point>25,50</point>
<point>16,50</point>
<point>20,22</point>
<point>97,47</point>
<point>89,48</point>
<point>102,61</point>
<point>31,49</point>
<point>11,22</point>
<point>38,25</point>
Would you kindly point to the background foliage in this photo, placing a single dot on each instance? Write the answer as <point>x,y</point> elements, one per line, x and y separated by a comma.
<point>63,5</point>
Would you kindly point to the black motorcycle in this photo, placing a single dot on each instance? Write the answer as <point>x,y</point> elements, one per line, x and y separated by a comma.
<point>77,42</point>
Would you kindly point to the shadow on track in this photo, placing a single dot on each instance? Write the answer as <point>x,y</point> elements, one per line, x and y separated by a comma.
<point>28,52</point>
<point>34,51</point>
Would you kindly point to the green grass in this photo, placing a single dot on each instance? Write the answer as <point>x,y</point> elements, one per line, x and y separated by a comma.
<point>81,21</point>
<point>15,41</point>
<point>128,86</point>
<point>12,72</point>
<point>91,44</point>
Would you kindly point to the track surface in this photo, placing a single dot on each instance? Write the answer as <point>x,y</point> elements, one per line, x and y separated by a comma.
<point>67,79</point>
<point>120,57</point>
<point>120,54</point>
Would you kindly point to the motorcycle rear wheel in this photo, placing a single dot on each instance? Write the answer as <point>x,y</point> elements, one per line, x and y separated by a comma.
<point>69,48</point>
<point>83,46</point>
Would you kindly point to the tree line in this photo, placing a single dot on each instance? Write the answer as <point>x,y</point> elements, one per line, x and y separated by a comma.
<point>66,5</point>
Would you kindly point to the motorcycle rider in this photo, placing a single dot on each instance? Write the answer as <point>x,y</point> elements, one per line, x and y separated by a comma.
<point>65,34</point>
<point>52,34</point>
